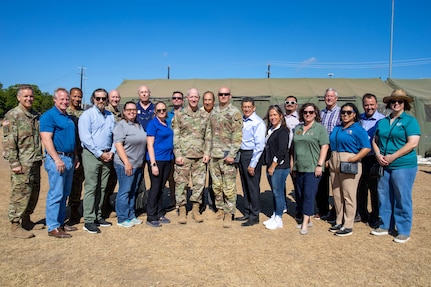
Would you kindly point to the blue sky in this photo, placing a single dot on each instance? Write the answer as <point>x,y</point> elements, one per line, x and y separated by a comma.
<point>44,42</point>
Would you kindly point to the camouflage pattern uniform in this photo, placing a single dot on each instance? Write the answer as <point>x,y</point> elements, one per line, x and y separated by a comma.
<point>22,147</point>
<point>107,208</point>
<point>226,132</point>
<point>78,174</point>
<point>192,141</point>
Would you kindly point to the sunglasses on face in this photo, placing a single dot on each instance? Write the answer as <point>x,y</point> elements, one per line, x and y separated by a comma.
<point>346,113</point>
<point>130,110</point>
<point>161,111</point>
<point>177,98</point>
<point>223,94</point>
<point>393,102</point>
<point>98,99</point>
<point>308,112</point>
<point>290,102</point>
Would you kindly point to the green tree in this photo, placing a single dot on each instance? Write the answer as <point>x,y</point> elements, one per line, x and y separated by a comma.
<point>42,101</point>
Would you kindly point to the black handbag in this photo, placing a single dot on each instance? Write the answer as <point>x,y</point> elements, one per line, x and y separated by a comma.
<point>348,167</point>
<point>376,171</point>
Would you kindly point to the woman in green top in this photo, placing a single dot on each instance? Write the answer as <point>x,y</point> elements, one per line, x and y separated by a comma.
<point>310,145</point>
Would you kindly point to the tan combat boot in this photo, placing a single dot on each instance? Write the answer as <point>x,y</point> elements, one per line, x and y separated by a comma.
<point>219,214</point>
<point>27,224</point>
<point>182,215</point>
<point>196,214</point>
<point>227,221</point>
<point>18,232</point>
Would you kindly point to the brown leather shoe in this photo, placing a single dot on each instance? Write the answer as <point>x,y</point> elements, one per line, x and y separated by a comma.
<point>69,228</point>
<point>59,233</point>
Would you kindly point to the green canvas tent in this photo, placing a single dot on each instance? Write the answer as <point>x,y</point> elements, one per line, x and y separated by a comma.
<point>271,91</point>
<point>420,91</point>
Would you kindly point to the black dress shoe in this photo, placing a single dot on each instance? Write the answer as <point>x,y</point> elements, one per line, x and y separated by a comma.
<point>242,218</point>
<point>250,222</point>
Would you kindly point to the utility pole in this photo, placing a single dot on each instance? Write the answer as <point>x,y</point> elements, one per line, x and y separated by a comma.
<point>269,70</point>
<point>82,74</point>
<point>169,72</point>
<point>392,40</point>
<point>82,78</point>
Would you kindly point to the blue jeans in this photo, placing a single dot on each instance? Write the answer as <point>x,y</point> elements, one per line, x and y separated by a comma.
<point>60,185</point>
<point>306,185</point>
<point>278,184</point>
<point>127,189</point>
<point>395,199</point>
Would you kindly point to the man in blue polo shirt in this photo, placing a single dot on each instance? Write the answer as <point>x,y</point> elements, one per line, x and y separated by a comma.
<point>368,121</point>
<point>57,131</point>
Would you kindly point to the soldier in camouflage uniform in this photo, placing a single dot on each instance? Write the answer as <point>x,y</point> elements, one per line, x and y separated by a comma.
<point>75,111</point>
<point>192,143</point>
<point>208,100</point>
<point>114,99</point>
<point>226,132</point>
<point>23,150</point>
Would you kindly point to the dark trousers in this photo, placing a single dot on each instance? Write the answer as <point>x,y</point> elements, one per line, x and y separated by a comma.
<point>367,183</point>
<point>322,196</point>
<point>250,185</point>
<point>155,195</point>
<point>306,185</point>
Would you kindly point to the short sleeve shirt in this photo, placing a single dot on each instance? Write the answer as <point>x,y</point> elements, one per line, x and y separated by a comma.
<point>393,137</point>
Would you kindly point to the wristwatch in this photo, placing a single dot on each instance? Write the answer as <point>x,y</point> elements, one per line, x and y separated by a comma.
<point>319,165</point>
<point>153,164</point>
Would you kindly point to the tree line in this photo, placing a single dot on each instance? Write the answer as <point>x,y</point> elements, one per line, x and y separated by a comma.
<point>42,100</point>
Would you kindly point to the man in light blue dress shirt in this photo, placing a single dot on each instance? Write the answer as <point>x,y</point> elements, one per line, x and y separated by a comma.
<point>369,121</point>
<point>95,131</point>
<point>250,162</point>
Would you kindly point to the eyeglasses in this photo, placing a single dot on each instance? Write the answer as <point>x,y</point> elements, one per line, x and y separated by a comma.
<point>98,99</point>
<point>393,102</point>
<point>161,111</point>
<point>177,98</point>
<point>290,102</point>
<point>346,112</point>
<point>308,112</point>
<point>130,110</point>
<point>223,94</point>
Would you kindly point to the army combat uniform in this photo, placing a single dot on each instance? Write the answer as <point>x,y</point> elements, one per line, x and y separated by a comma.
<point>226,133</point>
<point>22,148</point>
<point>78,174</point>
<point>192,141</point>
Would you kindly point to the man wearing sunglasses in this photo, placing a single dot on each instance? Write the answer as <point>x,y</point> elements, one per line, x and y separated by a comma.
<point>292,120</point>
<point>226,132</point>
<point>95,128</point>
<point>177,103</point>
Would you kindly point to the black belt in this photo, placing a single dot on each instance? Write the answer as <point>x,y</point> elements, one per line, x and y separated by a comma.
<point>246,150</point>
<point>68,154</point>
<point>106,150</point>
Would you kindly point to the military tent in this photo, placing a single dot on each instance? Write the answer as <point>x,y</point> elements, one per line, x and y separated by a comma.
<point>268,91</point>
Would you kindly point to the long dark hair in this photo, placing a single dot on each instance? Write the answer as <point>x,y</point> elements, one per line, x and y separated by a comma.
<point>279,111</point>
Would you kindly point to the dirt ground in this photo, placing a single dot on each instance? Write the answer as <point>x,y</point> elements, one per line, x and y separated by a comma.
<point>207,254</point>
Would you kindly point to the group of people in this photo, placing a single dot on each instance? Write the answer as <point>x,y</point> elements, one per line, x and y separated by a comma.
<point>101,146</point>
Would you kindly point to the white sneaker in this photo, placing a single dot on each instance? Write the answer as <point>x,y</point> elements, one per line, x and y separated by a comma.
<point>276,223</point>
<point>266,222</point>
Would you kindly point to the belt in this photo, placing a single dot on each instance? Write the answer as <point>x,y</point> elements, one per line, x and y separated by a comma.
<point>246,150</point>
<point>68,154</point>
<point>106,150</point>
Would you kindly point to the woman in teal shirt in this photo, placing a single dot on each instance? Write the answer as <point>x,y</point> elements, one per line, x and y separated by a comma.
<point>394,143</point>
